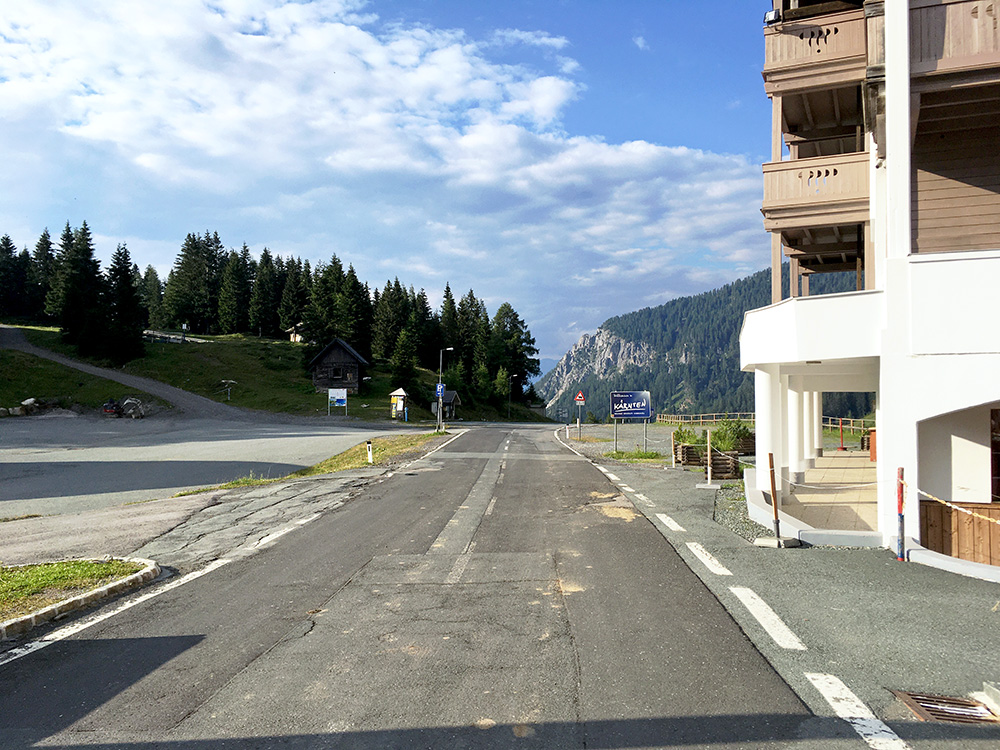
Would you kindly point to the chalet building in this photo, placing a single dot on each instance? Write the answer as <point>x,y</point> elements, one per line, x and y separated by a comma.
<point>885,162</point>
<point>337,366</point>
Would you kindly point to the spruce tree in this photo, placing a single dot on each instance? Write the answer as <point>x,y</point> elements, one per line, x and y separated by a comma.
<point>124,310</point>
<point>188,296</point>
<point>42,270</point>
<point>234,294</point>
<point>264,298</point>
<point>448,319</point>
<point>7,289</point>
<point>75,298</point>
<point>151,298</point>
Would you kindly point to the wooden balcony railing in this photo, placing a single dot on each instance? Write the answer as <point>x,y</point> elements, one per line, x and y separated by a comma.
<point>817,52</point>
<point>953,35</point>
<point>819,191</point>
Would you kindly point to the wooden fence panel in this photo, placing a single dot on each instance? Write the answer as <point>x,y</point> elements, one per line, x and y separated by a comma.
<point>949,531</point>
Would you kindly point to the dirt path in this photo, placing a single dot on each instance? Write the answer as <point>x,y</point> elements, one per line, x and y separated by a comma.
<point>185,402</point>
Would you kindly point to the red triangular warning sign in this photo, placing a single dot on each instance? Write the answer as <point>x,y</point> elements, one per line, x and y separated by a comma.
<point>579,396</point>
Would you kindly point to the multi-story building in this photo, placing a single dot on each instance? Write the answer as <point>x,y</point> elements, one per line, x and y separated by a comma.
<point>886,164</point>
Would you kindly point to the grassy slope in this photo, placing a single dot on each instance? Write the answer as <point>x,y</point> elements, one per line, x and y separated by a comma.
<point>27,376</point>
<point>270,376</point>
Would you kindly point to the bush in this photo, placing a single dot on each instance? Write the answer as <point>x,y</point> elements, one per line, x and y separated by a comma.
<point>688,436</point>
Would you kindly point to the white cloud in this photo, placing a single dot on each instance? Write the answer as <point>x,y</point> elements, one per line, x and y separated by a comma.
<point>311,128</point>
<point>641,43</point>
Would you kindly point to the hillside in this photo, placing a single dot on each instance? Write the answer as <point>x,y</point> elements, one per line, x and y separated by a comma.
<point>685,353</point>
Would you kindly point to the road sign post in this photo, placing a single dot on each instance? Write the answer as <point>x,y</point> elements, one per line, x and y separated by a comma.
<point>580,401</point>
<point>630,405</point>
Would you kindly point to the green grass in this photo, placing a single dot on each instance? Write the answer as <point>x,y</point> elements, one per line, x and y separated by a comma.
<point>384,450</point>
<point>27,376</point>
<point>270,376</point>
<point>635,455</point>
<point>27,588</point>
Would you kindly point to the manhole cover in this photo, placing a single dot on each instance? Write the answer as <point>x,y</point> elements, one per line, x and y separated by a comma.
<point>944,708</point>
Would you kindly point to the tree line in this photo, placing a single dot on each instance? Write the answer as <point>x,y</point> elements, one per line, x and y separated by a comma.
<point>214,290</point>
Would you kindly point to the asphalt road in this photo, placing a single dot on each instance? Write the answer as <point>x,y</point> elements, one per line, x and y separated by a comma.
<point>65,463</point>
<point>500,592</point>
<point>71,464</point>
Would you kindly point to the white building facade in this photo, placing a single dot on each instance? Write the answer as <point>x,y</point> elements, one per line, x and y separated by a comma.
<point>886,164</point>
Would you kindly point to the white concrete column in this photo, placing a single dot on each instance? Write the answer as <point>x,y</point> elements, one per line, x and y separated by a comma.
<point>897,127</point>
<point>781,466</point>
<point>767,395</point>
<point>818,424</point>
<point>796,433</point>
<point>808,429</point>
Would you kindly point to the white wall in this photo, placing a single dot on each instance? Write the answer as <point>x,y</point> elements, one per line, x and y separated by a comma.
<point>954,455</point>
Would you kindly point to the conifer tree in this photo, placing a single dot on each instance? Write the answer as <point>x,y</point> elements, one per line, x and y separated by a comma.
<point>234,294</point>
<point>264,298</point>
<point>151,298</point>
<point>448,319</point>
<point>75,297</point>
<point>42,270</point>
<point>188,296</point>
<point>124,309</point>
<point>7,288</point>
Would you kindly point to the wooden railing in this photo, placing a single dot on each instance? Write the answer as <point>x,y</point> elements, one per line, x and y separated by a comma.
<point>953,35</point>
<point>850,425</point>
<point>951,532</point>
<point>703,419</point>
<point>815,52</point>
<point>823,189</point>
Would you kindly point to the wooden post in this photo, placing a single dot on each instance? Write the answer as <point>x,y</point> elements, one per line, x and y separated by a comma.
<point>774,501</point>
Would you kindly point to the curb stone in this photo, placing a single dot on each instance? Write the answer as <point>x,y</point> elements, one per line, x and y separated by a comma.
<point>20,625</point>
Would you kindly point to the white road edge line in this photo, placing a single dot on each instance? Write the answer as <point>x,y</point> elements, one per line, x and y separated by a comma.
<point>489,508</point>
<point>610,476</point>
<point>768,618</point>
<point>626,488</point>
<point>710,562</point>
<point>669,522</point>
<point>849,707</point>
<point>446,442</point>
<point>62,633</point>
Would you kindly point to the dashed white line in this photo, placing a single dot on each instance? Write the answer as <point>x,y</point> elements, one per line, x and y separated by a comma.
<point>611,476</point>
<point>641,497</point>
<point>768,618</point>
<point>489,508</point>
<point>62,633</point>
<point>849,707</point>
<point>710,562</point>
<point>669,522</point>
<point>626,488</point>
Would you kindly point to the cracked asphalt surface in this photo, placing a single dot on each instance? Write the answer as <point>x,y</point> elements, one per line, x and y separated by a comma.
<point>482,596</point>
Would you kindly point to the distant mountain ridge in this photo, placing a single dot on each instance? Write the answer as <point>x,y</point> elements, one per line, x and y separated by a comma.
<point>684,352</point>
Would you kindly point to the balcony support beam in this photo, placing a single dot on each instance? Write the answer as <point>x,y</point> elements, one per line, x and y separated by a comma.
<point>775,267</point>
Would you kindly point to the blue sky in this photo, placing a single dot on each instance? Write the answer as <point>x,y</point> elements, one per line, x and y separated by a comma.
<point>578,159</point>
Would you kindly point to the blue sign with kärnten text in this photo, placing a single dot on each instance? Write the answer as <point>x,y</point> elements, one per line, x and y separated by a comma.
<point>631,405</point>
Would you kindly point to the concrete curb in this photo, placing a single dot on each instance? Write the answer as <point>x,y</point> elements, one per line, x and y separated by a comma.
<point>23,624</point>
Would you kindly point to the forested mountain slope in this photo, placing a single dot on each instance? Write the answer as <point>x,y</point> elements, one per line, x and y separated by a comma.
<point>686,353</point>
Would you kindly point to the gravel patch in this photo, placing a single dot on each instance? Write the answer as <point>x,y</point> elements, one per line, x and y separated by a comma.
<point>731,512</point>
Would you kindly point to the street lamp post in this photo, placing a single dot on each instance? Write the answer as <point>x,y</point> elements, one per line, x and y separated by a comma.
<point>510,387</point>
<point>440,394</point>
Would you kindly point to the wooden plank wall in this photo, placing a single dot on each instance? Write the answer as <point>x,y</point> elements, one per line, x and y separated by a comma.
<point>956,191</point>
<point>957,534</point>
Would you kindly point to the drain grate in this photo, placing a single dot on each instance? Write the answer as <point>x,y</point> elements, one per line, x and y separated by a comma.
<point>944,708</point>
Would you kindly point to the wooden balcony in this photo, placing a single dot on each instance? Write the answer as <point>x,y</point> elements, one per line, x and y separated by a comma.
<point>819,191</point>
<point>822,52</point>
<point>953,36</point>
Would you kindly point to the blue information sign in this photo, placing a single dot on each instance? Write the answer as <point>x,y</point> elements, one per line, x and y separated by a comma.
<point>631,405</point>
<point>440,390</point>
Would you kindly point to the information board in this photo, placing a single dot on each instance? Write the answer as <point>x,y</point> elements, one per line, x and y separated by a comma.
<point>631,405</point>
